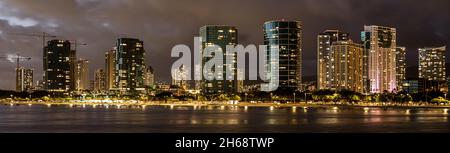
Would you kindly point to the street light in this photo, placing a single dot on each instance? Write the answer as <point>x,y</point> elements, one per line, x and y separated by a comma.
<point>271,97</point>
<point>246,94</point>
<point>306,101</point>
<point>294,97</point>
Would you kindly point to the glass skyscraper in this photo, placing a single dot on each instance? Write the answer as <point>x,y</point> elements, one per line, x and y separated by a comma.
<point>221,36</point>
<point>59,66</point>
<point>285,37</point>
<point>129,65</point>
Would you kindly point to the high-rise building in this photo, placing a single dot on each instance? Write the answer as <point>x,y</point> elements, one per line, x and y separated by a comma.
<point>432,63</point>
<point>400,67</point>
<point>380,47</point>
<point>24,79</point>
<point>110,68</point>
<point>91,85</point>
<point>181,78</point>
<point>285,37</point>
<point>82,75</point>
<point>149,76</point>
<point>129,72</point>
<point>220,36</point>
<point>240,81</point>
<point>58,66</point>
<point>346,69</point>
<point>324,42</point>
<point>100,80</point>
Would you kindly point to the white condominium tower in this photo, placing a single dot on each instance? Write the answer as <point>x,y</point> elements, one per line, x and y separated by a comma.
<point>380,47</point>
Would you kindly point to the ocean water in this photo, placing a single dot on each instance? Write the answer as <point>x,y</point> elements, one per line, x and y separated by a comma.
<point>214,119</point>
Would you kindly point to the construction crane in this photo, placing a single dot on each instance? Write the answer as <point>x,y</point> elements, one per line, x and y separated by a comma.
<point>18,58</point>
<point>75,44</point>
<point>43,35</point>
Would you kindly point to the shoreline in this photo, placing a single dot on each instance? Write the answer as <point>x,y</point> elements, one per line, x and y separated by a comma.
<point>221,104</point>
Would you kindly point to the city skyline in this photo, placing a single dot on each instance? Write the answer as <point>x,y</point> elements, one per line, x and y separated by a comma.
<point>103,34</point>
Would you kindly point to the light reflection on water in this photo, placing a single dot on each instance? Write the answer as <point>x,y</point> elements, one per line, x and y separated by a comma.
<point>172,118</point>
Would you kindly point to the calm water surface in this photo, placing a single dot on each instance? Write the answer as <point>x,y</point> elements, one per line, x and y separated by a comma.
<point>163,119</point>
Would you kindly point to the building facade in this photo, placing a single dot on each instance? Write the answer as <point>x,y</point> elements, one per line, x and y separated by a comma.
<point>58,66</point>
<point>411,86</point>
<point>346,69</point>
<point>324,42</point>
<point>286,38</point>
<point>380,49</point>
<point>100,80</point>
<point>129,63</point>
<point>39,85</point>
<point>400,67</point>
<point>82,75</point>
<point>432,63</point>
<point>24,79</point>
<point>220,36</point>
<point>110,68</point>
<point>424,86</point>
<point>181,78</point>
<point>149,76</point>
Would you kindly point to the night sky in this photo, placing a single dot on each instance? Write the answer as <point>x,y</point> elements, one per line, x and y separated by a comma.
<point>162,24</point>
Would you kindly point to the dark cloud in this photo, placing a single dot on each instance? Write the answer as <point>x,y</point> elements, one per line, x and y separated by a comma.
<point>165,23</point>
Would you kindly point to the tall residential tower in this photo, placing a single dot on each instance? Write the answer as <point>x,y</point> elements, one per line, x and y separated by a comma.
<point>400,67</point>
<point>346,68</point>
<point>110,68</point>
<point>380,49</point>
<point>24,79</point>
<point>99,80</point>
<point>432,63</point>
<point>324,42</point>
<point>82,75</point>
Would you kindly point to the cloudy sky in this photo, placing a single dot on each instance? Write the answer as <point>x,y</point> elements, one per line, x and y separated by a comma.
<point>161,24</point>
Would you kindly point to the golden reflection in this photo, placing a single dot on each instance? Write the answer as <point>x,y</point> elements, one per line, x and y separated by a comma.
<point>366,109</point>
